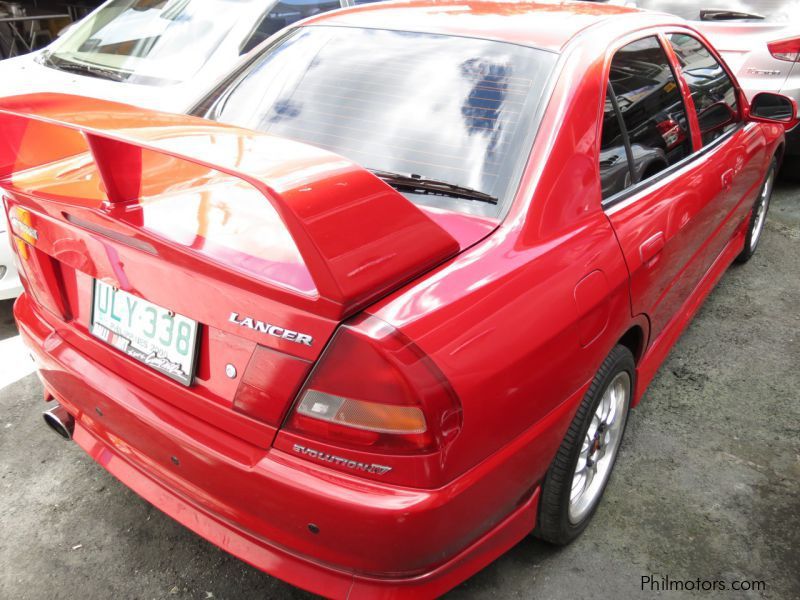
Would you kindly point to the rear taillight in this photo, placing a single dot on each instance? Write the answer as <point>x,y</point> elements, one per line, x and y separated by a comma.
<point>671,132</point>
<point>786,49</point>
<point>269,383</point>
<point>43,272</point>
<point>374,389</point>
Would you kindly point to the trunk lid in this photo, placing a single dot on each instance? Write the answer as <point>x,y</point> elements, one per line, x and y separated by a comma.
<point>266,243</point>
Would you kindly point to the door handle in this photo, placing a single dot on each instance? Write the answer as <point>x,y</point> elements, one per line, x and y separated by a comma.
<point>727,180</point>
<point>651,248</point>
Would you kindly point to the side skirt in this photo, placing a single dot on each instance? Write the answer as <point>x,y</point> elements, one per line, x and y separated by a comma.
<point>660,348</point>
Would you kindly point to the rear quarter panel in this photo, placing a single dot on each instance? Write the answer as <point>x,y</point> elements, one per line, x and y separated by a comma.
<point>507,321</point>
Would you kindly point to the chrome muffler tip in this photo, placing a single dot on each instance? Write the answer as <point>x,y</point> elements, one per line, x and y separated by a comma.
<point>60,421</point>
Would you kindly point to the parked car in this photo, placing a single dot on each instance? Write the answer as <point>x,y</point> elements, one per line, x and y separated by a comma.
<point>10,286</point>
<point>161,54</point>
<point>376,314</point>
<point>759,39</point>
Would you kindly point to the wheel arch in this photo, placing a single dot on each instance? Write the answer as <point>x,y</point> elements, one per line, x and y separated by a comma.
<point>634,340</point>
<point>779,153</point>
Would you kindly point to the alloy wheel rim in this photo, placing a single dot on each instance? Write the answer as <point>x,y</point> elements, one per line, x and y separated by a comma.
<point>761,209</point>
<point>599,447</point>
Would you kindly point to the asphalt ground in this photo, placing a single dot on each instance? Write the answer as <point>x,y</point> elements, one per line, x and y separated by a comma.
<point>706,488</point>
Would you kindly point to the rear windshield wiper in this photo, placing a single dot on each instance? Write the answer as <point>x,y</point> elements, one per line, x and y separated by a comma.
<point>727,15</point>
<point>81,68</point>
<point>418,183</point>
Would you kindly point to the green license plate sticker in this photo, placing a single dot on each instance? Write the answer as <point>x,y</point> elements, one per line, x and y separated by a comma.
<point>147,332</point>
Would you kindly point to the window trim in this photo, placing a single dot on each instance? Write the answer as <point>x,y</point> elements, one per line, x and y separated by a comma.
<point>741,98</point>
<point>613,202</point>
<point>623,130</point>
<point>627,196</point>
<point>717,56</point>
<point>666,48</point>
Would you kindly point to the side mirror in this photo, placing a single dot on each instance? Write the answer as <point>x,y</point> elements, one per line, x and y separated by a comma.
<point>715,116</point>
<point>768,107</point>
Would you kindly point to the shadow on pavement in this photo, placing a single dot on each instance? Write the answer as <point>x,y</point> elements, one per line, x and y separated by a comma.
<point>7,326</point>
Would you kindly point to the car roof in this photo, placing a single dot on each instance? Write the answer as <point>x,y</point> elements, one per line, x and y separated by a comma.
<point>542,24</point>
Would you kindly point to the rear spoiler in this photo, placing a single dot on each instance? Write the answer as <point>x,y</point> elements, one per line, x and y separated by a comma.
<point>358,237</point>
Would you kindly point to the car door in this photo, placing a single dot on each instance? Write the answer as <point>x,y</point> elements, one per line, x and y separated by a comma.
<point>672,200</point>
<point>736,149</point>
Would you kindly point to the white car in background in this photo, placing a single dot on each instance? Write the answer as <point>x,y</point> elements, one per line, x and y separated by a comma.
<point>161,54</point>
<point>9,280</point>
<point>759,39</point>
<point>154,53</point>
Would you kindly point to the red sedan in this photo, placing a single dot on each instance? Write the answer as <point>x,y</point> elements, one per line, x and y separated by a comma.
<point>381,307</point>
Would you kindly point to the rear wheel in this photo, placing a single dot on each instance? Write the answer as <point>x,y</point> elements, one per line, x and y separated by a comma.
<point>759,215</point>
<point>579,473</point>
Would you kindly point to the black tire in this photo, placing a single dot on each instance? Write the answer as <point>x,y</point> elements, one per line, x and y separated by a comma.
<point>789,169</point>
<point>553,522</point>
<point>755,225</point>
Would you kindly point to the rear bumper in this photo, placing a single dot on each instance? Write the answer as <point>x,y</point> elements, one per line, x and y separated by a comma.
<point>302,571</point>
<point>257,503</point>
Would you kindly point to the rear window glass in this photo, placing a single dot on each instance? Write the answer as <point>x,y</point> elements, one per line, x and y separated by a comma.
<point>712,90</point>
<point>651,106</point>
<point>773,11</point>
<point>455,109</point>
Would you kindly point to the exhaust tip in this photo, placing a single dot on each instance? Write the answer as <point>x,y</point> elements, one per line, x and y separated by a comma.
<point>60,421</point>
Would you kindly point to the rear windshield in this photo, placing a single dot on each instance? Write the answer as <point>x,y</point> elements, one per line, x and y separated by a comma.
<point>773,11</point>
<point>455,109</point>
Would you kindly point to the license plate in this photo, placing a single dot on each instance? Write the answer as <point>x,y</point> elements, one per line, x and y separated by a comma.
<point>156,336</point>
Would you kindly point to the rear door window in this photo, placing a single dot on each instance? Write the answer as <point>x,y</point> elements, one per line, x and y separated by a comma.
<point>712,90</point>
<point>652,108</point>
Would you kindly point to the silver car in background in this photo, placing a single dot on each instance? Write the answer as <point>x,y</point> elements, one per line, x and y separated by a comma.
<point>760,41</point>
